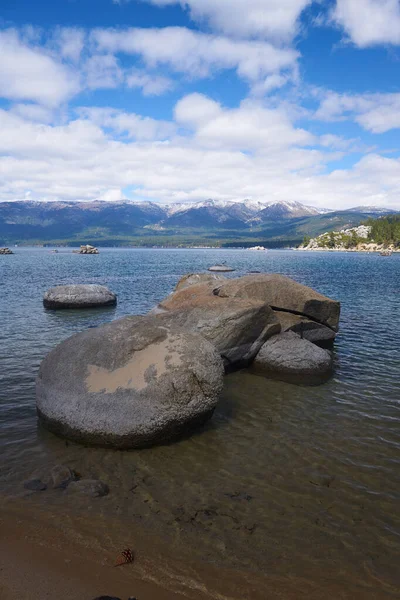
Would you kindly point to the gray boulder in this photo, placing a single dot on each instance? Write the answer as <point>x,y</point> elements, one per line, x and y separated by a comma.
<point>318,334</point>
<point>236,327</point>
<point>283,293</point>
<point>79,296</point>
<point>131,383</point>
<point>195,278</point>
<point>289,358</point>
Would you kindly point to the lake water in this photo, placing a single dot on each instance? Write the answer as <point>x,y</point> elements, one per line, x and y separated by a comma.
<point>297,483</point>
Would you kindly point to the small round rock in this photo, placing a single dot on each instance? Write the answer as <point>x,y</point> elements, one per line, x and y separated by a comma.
<point>79,296</point>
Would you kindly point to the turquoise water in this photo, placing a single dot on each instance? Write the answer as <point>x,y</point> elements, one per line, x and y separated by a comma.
<point>301,480</point>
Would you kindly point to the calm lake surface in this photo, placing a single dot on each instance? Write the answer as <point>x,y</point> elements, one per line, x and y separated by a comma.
<point>298,482</point>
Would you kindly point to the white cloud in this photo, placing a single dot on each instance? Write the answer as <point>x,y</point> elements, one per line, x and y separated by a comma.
<point>369,22</point>
<point>197,54</point>
<point>70,41</point>
<point>33,112</point>
<point>79,161</point>
<point>376,113</point>
<point>128,125</point>
<point>103,72</point>
<point>151,85</point>
<point>28,73</point>
<point>249,127</point>
<point>271,19</point>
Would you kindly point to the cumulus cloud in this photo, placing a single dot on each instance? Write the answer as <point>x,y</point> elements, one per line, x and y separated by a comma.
<point>103,71</point>
<point>376,113</point>
<point>196,54</point>
<point>128,125</point>
<point>249,127</point>
<point>369,22</point>
<point>150,84</point>
<point>70,41</point>
<point>28,73</point>
<point>272,19</point>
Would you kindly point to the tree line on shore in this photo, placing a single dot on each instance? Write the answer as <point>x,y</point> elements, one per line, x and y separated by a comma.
<point>384,230</point>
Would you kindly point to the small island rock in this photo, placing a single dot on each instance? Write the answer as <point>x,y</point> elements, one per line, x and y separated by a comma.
<point>130,383</point>
<point>79,296</point>
<point>289,358</point>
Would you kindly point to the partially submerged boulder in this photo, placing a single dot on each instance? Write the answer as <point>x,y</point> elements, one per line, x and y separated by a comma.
<point>283,293</point>
<point>79,296</point>
<point>195,278</point>
<point>128,384</point>
<point>236,327</point>
<point>314,332</point>
<point>290,358</point>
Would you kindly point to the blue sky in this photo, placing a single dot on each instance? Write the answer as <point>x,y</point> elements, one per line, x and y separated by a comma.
<point>180,101</point>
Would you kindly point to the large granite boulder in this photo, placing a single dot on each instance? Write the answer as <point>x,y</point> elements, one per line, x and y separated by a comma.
<point>79,296</point>
<point>128,384</point>
<point>236,327</point>
<point>290,358</point>
<point>283,293</point>
<point>314,332</point>
<point>195,278</point>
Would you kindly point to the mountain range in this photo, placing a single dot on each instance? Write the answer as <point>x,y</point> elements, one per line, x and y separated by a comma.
<point>211,222</point>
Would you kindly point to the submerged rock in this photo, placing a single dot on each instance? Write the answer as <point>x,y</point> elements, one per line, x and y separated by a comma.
<point>61,476</point>
<point>236,327</point>
<point>283,293</point>
<point>318,334</point>
<point>289,358</point>
<point>128,384</point>
<point>35,485</point>
<point>79,296</point>
<point>89,487</point>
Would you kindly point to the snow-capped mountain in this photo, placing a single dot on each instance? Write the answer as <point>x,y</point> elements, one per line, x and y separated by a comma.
<point>248,208</point>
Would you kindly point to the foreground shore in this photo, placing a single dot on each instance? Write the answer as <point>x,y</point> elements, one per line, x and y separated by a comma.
<point>39,561</point>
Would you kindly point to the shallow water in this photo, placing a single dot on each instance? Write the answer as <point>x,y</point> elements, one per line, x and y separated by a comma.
<point>295,481</point>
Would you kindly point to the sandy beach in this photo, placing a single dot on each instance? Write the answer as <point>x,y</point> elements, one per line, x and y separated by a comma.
<point>38,561</point>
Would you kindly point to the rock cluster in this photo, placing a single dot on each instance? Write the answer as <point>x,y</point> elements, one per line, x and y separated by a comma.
<point>62,477</point>
<point>6,251</point>
<point>145,380</point>
<point>79,296</point>
<point>88,249</point>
